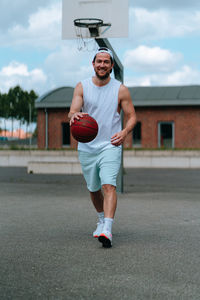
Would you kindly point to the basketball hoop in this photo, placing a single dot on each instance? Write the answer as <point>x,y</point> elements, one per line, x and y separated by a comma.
<point>87,29</point>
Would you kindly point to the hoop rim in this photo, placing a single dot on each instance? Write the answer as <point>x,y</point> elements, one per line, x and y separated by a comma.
<point>83,22</point>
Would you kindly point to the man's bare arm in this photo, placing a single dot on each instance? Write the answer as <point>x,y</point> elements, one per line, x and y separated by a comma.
<point>126,104</point>
<point>77,104</point>
<point>128,109</point>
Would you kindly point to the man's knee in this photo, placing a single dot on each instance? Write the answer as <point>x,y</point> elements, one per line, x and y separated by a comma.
<point>108,188</point>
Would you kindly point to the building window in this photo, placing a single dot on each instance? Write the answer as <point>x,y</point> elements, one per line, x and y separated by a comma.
<point>65,134</point>
<point>137,135</point>
<point>166,134</point>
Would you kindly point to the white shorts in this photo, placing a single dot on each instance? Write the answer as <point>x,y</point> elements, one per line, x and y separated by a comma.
<point>100,168</point>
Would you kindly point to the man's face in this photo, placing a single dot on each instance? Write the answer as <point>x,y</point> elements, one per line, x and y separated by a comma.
<point>102,65</point>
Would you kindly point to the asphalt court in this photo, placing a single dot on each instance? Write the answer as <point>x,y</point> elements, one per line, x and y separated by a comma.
<point>47,250</point>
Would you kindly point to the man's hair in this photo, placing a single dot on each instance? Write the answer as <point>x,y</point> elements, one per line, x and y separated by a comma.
<point>104,50</point>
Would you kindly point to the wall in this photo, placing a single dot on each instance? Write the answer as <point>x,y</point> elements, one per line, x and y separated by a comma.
<point>186,121</point>
<point>59,160</point>
<point>55,119</point>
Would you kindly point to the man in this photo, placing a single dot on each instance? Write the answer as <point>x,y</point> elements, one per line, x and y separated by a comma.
<point>103,97</point>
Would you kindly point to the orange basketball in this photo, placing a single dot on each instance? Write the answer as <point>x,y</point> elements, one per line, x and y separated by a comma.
<point>85,129</point>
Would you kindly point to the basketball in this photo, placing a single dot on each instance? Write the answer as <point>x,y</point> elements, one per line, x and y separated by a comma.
<point>85,129</point>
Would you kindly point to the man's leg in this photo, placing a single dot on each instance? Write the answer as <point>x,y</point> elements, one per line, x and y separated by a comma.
<point>97,200</point>
<point>110,204</point>
<point>110,161</point>
<point>110,200</point>
<point>106,203</point>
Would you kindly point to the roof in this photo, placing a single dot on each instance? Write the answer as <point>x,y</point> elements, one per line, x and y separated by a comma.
<point>58,98</point>
<point>141,96</point>
<point>166,96</point>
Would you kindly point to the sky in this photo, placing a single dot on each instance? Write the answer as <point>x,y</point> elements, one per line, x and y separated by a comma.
<point>162,49</point>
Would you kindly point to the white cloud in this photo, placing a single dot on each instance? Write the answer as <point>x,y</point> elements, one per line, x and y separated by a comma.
<point>40,26</point>
<point>137,81</point>
<point>64,67</point>
<point>184,76</point>
<point>14,69</point>
<point>18,11</point>
<point>18,74</point>
<point>170,4</point>
<point>43,29</point>
<point>146,25</point>
<point>149,59</point>
<point>67,66</point>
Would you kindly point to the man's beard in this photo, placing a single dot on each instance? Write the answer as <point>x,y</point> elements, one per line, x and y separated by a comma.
<point>103,76</point>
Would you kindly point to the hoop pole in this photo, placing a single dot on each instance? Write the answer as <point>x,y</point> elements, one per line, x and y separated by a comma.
<point>119,75</point>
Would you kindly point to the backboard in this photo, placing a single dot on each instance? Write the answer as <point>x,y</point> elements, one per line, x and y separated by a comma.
<point>113,12</point>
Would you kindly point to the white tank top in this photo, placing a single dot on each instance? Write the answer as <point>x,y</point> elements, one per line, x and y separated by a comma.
<point>101,103</point>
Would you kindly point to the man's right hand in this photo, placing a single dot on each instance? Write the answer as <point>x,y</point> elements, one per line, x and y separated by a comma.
<point>77,116</point>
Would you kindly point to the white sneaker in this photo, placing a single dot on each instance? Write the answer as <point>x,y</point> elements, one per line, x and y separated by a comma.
<point>105,238</point>
<point>98,230</point>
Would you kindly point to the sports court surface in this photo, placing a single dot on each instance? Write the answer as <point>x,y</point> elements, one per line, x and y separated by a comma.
<point>47,250</point>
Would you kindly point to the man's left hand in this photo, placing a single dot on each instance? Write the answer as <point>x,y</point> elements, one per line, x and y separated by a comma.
<point>118,138</point>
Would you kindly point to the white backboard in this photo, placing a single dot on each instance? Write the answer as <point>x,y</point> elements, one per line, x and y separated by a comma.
<point>110,11</point>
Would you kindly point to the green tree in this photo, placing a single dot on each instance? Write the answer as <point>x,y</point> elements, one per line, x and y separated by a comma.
<point>4,108</point>
<point>14,95</point>
<point>28,107</point>
<point>21,104</point>
<point>32,97</point>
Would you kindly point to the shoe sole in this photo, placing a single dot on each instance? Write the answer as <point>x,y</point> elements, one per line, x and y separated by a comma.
<point>106,243</point>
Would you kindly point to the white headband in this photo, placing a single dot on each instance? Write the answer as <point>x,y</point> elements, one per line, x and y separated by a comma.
<point>104,50</point>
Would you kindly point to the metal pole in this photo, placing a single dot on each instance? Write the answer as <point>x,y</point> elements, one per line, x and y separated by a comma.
<point>46,129</point>
<point>30,124</point>
<point>119,75</point>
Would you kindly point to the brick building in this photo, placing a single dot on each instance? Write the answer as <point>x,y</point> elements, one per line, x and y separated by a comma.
<point>167,117</point>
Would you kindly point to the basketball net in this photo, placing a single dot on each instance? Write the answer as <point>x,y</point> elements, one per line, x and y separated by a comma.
<point>84,40</point>
<point>87,29</point>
